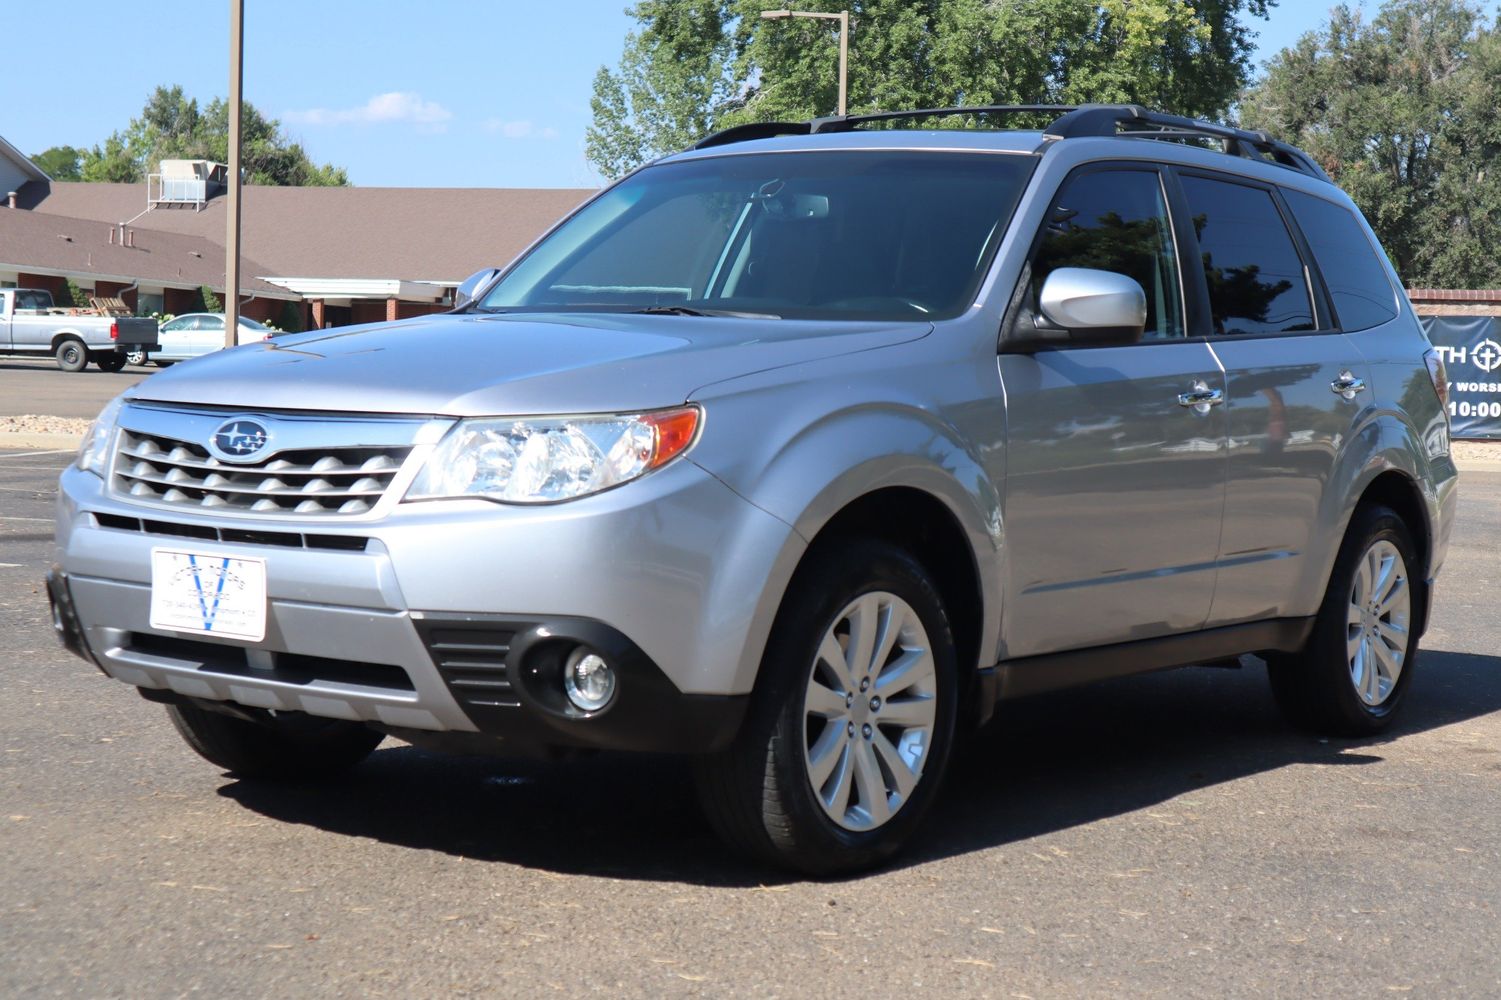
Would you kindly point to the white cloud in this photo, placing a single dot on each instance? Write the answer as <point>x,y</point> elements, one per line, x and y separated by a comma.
<point>397,106</point>
<point>519,129</point>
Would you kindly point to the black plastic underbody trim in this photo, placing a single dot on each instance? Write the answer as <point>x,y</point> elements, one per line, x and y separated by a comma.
<point>506,674</point>
<point>1055,671</point>
<point>65,620</point>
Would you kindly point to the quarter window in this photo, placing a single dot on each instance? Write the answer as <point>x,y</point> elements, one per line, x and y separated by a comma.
<point>1355,276</point>
<point>1257,283</point>
<point>1116,220</point>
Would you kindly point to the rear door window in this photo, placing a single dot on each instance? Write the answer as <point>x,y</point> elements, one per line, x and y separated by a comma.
<point>1354,274</point>
<point>1256,280</point>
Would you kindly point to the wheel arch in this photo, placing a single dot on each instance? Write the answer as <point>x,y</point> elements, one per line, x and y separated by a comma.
<point>1399,492</point>
<point>68,334</point>
<point>923,526</point>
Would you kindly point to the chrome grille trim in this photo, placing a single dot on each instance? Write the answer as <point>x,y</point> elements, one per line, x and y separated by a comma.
<point>316,465</point>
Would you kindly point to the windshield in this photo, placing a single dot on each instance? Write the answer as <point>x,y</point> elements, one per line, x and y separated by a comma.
<point>826,235</point>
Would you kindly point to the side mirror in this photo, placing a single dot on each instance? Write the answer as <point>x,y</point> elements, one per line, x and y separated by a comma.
<point>1083,307</point>
<point>475,283</point>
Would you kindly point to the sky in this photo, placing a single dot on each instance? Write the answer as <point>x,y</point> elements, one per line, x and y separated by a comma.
<point>412,93</point>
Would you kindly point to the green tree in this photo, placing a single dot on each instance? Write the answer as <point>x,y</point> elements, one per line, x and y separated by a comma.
<point>697,65</point>
<point>172,126</point>
<point>1404,112</point>
<point>61,163</point>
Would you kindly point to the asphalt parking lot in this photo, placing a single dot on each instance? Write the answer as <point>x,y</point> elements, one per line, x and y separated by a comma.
<point>41,387</point>
<point>1164,835</point>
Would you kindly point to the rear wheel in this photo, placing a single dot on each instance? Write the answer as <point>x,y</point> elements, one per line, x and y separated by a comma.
<point>112,362</point>
<point>1353,675</point>
<point>135,357</point>
<point>71,355</point>
<point>851,733</point>
<point>289,746</point>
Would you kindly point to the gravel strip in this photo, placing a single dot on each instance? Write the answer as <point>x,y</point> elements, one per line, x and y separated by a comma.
<point>33,423</point>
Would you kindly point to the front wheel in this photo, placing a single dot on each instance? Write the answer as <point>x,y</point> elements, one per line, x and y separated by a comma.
<point>1352,676</point>
<point>287,747</point>
<point>71,355</point>
<point>850,736</point>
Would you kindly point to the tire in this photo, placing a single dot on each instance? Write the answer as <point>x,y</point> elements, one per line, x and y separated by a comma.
<point>812,782</point>
<point>135,357</point>
<point>164,364</point>
<point>289,747</point>
<point>1352,677</point>
<point>71,355</point>
<point>112,362</point>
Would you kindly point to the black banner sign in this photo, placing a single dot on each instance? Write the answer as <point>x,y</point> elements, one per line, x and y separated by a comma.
<point>1471,349</point>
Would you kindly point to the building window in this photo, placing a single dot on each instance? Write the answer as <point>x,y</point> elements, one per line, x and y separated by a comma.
<point>149,302</point>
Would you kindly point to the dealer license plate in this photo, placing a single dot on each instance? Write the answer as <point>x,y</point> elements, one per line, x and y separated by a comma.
<point>208,594</point>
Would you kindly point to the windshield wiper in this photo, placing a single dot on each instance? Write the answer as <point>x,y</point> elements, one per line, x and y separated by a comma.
<point>690,311</point>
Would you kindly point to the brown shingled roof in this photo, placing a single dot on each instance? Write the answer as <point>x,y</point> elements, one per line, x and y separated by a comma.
<point>414,234</point>
<point>42,241</point>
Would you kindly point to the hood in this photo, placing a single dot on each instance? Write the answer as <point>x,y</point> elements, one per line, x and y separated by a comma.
<point>516,364</point>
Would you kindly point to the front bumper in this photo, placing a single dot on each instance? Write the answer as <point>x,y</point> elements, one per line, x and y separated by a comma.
<point>453,617</point>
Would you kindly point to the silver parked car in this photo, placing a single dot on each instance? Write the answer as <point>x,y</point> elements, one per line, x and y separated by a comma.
<point>796,453</point>
<point>193,334</point>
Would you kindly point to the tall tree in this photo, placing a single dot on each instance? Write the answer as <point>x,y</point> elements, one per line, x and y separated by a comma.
<point>697,65</point>
<point>61,163</point>
<point>172,126</point>
<point>1404,112</point>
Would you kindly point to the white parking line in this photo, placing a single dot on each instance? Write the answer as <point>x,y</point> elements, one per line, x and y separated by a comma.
<point>11,565</point>
<point>38,520</point>
<point>34,454</point>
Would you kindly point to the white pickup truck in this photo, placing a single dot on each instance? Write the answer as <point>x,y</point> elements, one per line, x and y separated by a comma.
<point>31,326</point>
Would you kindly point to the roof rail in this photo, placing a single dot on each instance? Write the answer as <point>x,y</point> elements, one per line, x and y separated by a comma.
<point>847,123</point>
<point>1137,121</point>
<point>753,130</point>
<point>1072,122</point>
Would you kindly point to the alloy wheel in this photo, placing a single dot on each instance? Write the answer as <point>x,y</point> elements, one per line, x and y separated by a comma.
<point>1377,622</point>
<point>869,711</point>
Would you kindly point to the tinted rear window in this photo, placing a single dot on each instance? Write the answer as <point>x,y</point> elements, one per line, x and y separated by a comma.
<point>1255,276</point>
<point>1357,280</point>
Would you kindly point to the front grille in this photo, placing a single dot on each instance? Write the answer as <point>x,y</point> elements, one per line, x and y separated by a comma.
<point>313,481</point>
<point>285,539</point>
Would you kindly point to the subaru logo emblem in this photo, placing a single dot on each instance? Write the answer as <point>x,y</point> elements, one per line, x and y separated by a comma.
<point>239,440</point>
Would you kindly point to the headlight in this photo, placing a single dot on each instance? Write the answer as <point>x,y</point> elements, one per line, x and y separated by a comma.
<point>93,452</point>
<point>546,459</point>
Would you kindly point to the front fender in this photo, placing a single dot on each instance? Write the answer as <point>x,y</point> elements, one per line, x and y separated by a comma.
<point>804,449</point>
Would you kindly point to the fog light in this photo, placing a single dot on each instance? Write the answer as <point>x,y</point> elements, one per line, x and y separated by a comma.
<point>588,680</point>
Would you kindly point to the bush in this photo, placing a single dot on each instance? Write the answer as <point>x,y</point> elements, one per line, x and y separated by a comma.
<point>207,301</point>
<point>290,319</point>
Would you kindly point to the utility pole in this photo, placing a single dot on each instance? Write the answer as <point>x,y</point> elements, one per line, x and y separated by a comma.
<point>232,234</point>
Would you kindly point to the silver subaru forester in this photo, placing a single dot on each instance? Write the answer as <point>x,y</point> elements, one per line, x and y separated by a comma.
<point>797,452</point>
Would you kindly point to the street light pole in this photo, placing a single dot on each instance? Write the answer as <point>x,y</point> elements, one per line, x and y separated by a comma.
<point>843,17</point>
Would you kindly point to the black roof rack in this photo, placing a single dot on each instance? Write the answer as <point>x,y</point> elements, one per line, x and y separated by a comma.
<point>1072,122</point>
<point>1109,119</point>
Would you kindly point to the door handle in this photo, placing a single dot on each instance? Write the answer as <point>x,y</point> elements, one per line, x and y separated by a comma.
<point>1347,385</point>
<point>1201,397</point>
